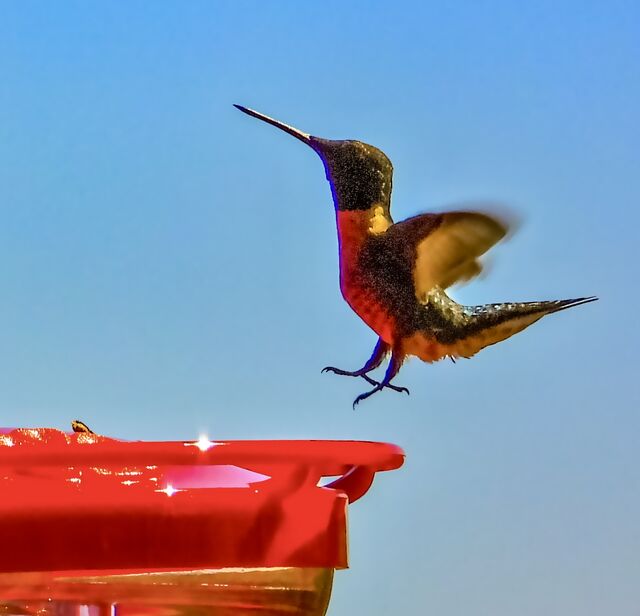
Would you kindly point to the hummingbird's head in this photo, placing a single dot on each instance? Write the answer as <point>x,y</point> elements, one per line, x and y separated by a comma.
<point>360,174</point>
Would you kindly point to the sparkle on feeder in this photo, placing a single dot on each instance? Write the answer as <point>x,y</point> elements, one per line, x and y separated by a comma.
<point>169,490</point>
<point>203,443</point>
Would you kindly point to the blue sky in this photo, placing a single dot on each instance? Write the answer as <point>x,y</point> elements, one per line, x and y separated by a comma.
<point>169,265</point>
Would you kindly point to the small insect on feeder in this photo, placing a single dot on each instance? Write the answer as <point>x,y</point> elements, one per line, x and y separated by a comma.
<point>94,526</point>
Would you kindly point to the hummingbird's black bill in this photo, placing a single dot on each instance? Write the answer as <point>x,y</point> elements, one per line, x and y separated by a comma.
<point>294,132</point>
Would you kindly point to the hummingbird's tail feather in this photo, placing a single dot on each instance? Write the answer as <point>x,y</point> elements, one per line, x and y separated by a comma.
<point>493,323</point>
<point>563,304</point>
<point>462,331</point>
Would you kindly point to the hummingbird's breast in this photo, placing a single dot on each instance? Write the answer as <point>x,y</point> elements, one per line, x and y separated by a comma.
<point>360,282</point>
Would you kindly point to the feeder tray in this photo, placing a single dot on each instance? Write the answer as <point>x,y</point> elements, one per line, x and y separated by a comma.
<point>93,525</point>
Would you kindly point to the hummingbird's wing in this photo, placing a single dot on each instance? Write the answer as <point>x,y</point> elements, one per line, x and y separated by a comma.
<point>447,246</point>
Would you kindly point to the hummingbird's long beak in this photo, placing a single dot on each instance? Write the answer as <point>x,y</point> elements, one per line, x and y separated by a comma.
<point>294,132</point>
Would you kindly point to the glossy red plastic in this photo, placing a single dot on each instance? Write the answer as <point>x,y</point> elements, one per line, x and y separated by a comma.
<point>79,502</point>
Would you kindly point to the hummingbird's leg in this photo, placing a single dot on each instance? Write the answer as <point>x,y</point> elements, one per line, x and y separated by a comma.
<point>392,369</point>
<point>379,353</point>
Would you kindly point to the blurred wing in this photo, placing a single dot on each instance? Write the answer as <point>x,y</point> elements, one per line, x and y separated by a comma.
<point>447,246</point>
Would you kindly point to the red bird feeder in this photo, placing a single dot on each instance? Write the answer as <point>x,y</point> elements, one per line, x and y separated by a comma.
<point>92,525</point>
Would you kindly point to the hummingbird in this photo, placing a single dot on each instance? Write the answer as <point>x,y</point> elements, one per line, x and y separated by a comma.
<point>394,275</point>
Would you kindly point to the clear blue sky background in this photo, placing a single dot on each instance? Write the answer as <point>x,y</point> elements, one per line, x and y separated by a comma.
<point>169,265</point>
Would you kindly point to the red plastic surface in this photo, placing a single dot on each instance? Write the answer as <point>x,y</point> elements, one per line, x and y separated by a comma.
<point>77,502</point>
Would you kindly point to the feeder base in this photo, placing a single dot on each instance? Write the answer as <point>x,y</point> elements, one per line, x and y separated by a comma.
<point>293,591</point>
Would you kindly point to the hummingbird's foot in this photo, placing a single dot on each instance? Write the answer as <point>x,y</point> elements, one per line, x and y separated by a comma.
<point>398,388</point>
<point>366,394</point>
<point>342,372</point>
<point>365,376</point>
<point>378,387</point>
<point>392,370</point>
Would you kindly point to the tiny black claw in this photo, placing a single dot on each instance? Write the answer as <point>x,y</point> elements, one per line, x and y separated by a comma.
<point>365,395</point>
<point>356,402</point>
<point>400,390</point>
<point>336,371</point>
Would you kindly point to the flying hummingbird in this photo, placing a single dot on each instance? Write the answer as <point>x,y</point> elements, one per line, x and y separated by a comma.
<point>395,275</point>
